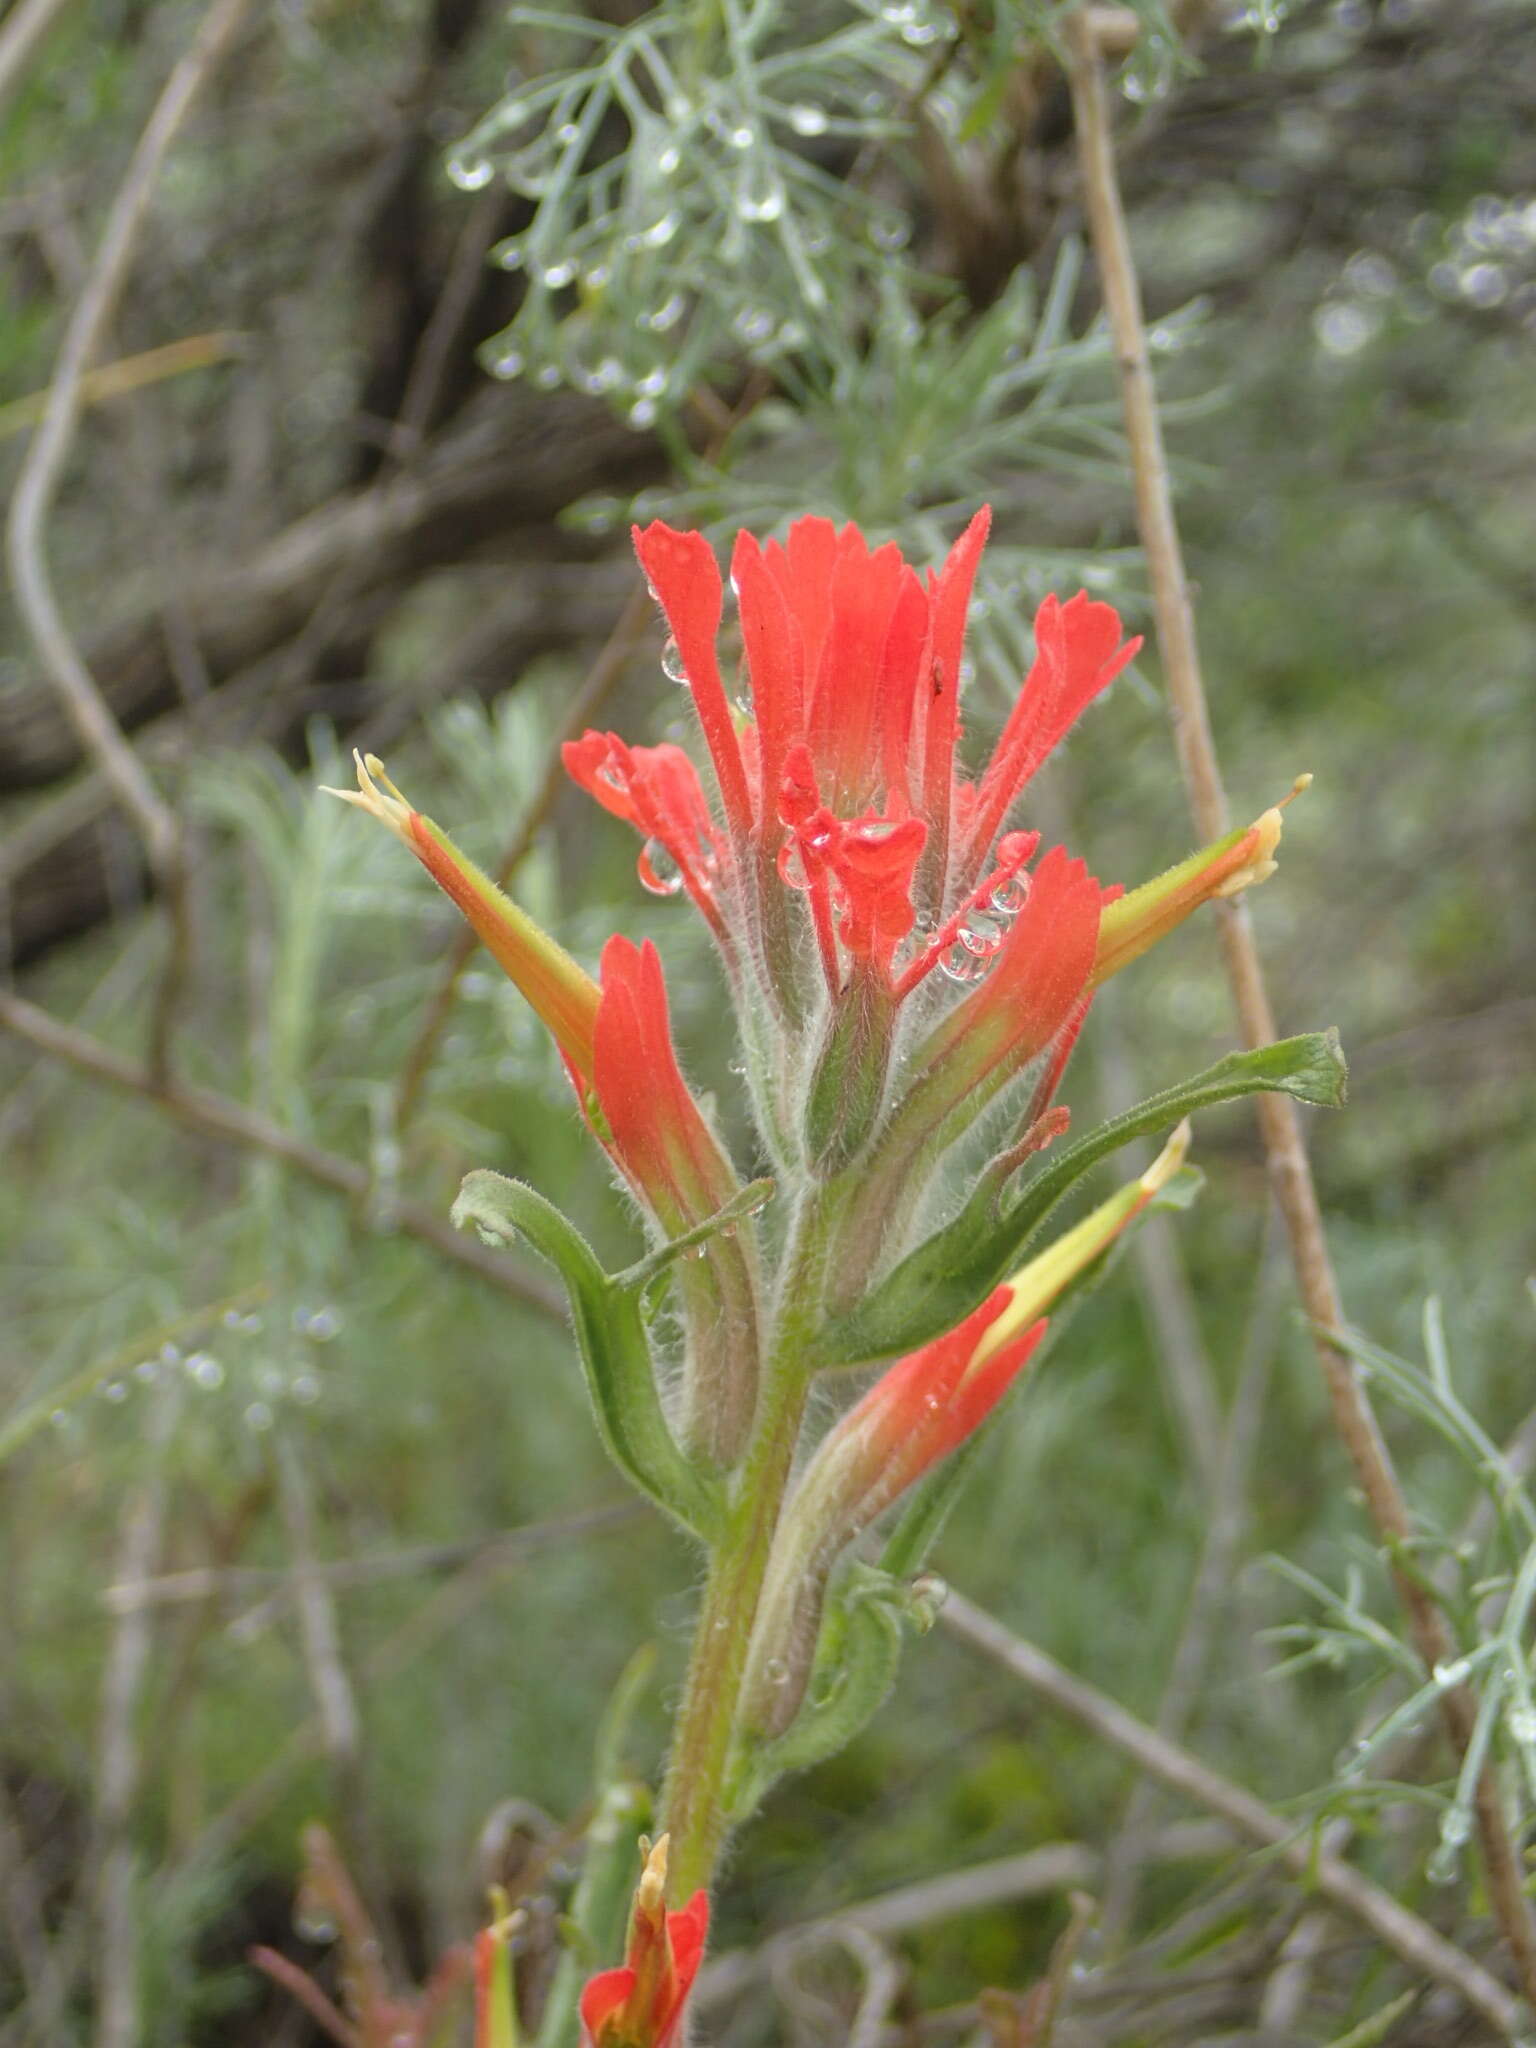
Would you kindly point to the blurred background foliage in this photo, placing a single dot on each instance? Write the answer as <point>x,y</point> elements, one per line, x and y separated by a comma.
<point>468,291</point>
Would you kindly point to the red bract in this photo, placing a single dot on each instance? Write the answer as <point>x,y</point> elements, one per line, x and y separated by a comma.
<point>654,1127</point>
<point>924,1407</point>
<point>843,785</point>
<point>640,2004</point>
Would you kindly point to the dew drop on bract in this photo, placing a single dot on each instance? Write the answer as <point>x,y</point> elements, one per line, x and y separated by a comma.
<point>1009,897</point>
<point>658,871</point>
<point>672,661</point>
<point>981,935</point>
<point>959,964</point>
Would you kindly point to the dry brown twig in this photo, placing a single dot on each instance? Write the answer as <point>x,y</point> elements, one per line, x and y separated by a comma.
<point>1280,1124</point>
<point>114,1860</point>
<point>42,473</point>
<point>216,1116</point>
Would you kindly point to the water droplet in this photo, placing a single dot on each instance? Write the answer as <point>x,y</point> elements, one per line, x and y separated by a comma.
<point>60,1418</point>
<point>547,376</point>
<point>663,318</point>
<point>1009,896</point>
<point>753,323</point>
<point>305,1389</point>
<point>470,173</point>
<point>668,159</point>
<point>958,963</point>
<point>791,866</point>
<point>658,871</point>
<point>1454,1671</point>
<point>890,232</point>
<point>147,1369</point>
<point>643,413</point>
<point>806,118</point>
<point>759,194</point>
<point>656,236</point>
<point>557,275</point>
<point>258,1416</point>
<point>672,661</point>
<point>1455,1827</point>
<point>776,1671</point>
<point>313,1923</point>
<point>115,1390</point>
<point>598,278</point>
<point>509,255</point>
<point>742,136</point>
<point>695,1251</point>
<point>205,1371</point>
<point>981,935</point>
<point>1521,1722</point>
<point>567,133</point>
<point>1443,1866</point>
<point>170,1354</point>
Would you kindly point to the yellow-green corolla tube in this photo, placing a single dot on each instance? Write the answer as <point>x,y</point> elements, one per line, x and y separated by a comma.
<point>1135,922</point>
<point>563,995</point>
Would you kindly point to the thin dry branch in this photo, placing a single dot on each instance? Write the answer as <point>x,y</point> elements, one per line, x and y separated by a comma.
<point>1279,1122</point>
<point>216,1116</point>
<point>114,1860</point>
<point>1412,1939</point>
<point>20,33</point>
<point>42,473</point>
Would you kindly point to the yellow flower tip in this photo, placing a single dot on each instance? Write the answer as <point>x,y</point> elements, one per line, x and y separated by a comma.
<point>1168,1161</point>
<point>1262,863</point>
<point>378,796</point>
<point>650,1897</point>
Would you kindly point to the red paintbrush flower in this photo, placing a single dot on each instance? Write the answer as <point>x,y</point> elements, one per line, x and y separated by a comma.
<point>640,2004</point>
<point>844,782</point>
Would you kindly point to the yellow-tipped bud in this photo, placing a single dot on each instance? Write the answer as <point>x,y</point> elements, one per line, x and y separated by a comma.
<point>1135,922</point>
<point>1036,1286</point>
<point>378,796</point>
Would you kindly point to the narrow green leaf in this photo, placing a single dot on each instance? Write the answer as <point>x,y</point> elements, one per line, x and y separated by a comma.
<point>940,1283</point>
<point>611,1337</point>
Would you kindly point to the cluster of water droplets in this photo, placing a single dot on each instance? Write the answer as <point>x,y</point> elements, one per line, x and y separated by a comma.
<point>984,931</point>
<point>261,1384</point>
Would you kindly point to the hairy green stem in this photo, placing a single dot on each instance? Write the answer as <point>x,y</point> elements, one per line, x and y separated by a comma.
<point>694,1801</point>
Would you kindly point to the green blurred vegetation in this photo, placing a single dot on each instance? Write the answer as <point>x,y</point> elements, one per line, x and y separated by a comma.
<point>1349,409</point>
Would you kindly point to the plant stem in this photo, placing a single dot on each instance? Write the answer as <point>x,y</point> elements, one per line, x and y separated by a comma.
<point>693,1802</point>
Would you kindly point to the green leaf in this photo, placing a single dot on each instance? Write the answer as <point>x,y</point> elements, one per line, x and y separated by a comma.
<point>857,1655</point>
<point>611,1338</point>
<point>938,1285</point>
